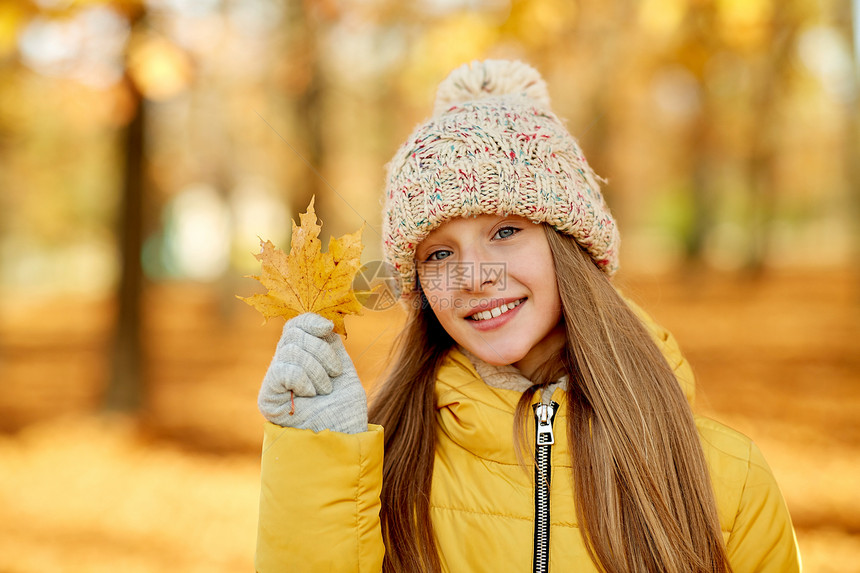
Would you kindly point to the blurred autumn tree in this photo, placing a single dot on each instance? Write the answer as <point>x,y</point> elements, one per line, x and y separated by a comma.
<point>125,390</point>
<point>150,143</point>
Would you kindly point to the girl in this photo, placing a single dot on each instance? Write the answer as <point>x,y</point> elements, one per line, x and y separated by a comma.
<point>534,420</point>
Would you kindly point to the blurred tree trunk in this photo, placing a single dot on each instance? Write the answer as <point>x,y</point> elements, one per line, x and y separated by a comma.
<point>125,387</point>
<point>849,20</point>
<point>700,43</point>
<point>613,60</point>
<point>308,146</point>
<point>772,67</point>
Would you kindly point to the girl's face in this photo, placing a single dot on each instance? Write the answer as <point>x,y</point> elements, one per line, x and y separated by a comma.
<point>491,283</point>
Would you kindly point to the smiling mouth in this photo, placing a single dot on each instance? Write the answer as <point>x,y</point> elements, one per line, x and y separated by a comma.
<point>496,311</point>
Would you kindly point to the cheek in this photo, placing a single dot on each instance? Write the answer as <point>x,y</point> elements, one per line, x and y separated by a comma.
<point>533,271</point>
<point>537,274</point>
<point>433,289</point>
<point>439,299</point>
<point>442,309</point>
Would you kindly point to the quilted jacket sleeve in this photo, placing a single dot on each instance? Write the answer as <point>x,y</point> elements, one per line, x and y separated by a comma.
<point>319,501</point>
<point>762,538</point>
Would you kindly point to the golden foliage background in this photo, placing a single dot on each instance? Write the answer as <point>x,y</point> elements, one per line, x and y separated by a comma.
<point>146,146</point>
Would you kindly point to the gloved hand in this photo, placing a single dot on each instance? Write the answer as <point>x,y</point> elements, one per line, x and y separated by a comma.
<point>310,361</point>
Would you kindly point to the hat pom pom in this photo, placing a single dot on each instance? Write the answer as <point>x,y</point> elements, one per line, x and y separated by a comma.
<point>490,78</point>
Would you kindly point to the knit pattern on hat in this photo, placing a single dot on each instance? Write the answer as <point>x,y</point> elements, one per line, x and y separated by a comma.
<point>493,147</point>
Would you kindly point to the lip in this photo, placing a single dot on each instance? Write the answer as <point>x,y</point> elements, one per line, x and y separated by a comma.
<point>496,321</point>
<point>492,303</point>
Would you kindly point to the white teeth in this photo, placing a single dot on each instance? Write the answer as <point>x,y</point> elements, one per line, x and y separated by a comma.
<point>494,312</point>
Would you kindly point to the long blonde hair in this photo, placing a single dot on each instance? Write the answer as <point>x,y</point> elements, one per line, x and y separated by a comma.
<point>643,492</point>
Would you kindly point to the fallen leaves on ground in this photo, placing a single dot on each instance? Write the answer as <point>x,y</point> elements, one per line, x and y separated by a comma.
<point>90,495</point>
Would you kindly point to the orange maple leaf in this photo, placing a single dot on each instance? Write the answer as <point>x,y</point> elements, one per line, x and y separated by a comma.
<point>308,280</point>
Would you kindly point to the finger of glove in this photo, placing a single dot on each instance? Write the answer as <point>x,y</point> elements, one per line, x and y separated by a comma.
<point>301,374</point>
<point>345,412</point>
<point>275,407</point>
<point>312,323</point>
<point>320,348</point>
<point>347,374</point>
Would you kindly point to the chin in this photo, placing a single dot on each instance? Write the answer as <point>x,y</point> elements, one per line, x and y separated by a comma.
<point>496,356</point>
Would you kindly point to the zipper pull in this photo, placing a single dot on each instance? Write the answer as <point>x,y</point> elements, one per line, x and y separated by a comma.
<point>544,414</point>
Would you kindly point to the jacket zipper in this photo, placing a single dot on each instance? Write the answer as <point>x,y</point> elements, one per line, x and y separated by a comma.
<point>544,439</point>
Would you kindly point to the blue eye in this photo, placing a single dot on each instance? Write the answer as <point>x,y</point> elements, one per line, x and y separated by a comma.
<point>506,232</point>
<point>439,255</point>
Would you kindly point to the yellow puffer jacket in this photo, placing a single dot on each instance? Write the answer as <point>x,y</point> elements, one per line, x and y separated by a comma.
<point>319,505</point>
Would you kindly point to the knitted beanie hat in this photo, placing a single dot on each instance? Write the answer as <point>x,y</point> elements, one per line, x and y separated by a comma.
<point>493,146</point>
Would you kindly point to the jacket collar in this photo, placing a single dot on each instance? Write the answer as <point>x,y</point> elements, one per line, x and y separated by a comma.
<point>480,417</point>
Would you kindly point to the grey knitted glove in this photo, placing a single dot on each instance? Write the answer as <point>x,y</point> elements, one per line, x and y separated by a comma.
<point>311,361</point>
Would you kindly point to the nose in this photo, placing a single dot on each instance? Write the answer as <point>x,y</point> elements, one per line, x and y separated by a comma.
<point>475,271</point>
